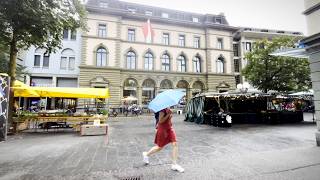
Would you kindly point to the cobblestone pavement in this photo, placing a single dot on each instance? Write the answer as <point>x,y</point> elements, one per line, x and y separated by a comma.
<point>242,152</point>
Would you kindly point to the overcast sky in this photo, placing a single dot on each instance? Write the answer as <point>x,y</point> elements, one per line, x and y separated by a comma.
<point>271,14</point>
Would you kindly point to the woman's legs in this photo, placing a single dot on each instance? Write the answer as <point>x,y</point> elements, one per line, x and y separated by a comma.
<point>175,166</point>
<point>153,150</point>
<point>174,152</point>
<point>146,155</point>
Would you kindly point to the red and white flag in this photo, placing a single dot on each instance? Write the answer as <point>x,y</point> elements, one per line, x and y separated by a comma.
<point>148,32</point>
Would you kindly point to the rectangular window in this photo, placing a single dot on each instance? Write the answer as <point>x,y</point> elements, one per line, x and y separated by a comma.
<point>220,43</point>
<point>36,61</point>
<point>182,40</point>
<point>71,63</point>
<point>196,43</point>
<point>218,20</point>
<point>63,63</point>
<point>148,13</point>
<point>236,65</point>
<point>45,61</point>
<point>165,38</point>
<point>131,35</point>
<point>195,19</point>
<point>65,33</point>
<point>73,34</point>
<point>248,46</point>
<point>165,15</point>
<point>102,30</point>
<point>235,50</point>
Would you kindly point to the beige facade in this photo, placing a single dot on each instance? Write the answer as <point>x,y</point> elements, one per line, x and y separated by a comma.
<point>144,80</point>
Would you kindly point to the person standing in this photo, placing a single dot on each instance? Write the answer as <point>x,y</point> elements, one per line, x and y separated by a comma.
<point>165,134</point>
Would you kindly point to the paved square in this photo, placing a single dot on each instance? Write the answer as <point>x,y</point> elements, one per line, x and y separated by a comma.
<point>242,152</point>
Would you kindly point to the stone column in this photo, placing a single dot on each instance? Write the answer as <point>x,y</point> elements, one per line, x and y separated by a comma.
<point>156,89</point>
<point>189,93</point>
<point>315,76</point>
<point>139,94</point>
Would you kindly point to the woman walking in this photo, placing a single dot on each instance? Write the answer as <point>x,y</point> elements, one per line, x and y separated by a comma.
<point>165,134</point>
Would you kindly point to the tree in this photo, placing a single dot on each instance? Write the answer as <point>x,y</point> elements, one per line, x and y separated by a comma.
<point>4,63</point>
<point>282,74</point>
<point>36,22</point>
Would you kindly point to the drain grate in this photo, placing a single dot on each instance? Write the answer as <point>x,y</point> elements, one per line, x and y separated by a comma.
<point>131,178</point>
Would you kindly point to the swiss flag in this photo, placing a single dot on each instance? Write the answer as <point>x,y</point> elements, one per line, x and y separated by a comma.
<point>148,31</point>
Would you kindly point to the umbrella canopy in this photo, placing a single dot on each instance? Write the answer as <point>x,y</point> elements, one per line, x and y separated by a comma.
<point>166,99</point>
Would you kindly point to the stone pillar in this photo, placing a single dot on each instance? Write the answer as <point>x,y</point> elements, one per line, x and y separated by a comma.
<point>315,76</point>
<point>139,94</point>
<point>156,89</point>
<point>189,93</point>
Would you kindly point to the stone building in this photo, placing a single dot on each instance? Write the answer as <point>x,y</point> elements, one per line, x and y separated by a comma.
<point>139,51</point>
<point>243,42</point>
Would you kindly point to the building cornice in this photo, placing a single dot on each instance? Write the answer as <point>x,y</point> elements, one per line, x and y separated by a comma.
<point>91,67</point>
<point>312,9</point>
<point>312,43</point>
<point>155,44</point>
<point>142,17</point>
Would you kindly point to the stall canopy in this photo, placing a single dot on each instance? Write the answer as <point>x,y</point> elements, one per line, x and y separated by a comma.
<point>27,91</point>
<point>22,90</point>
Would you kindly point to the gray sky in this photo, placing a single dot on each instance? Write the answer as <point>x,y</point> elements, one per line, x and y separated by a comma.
<point>271,14</point>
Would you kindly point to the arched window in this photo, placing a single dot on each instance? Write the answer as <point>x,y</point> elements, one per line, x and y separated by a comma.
<point>165,62</point>
<point>196,64</point>
<point>197,87</point>
<point>220,65</point>
<point>67,59</point>
<point>41,54</point>
<point>148,90</point>
<point>181,64</point>
<point>130,87</point>
<point>101,56</point>
<point>166,84</point>
<point>131,60</point>
<point>148,61</point>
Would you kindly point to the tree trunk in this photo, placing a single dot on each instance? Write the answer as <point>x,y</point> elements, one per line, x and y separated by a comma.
<point>12,74</point>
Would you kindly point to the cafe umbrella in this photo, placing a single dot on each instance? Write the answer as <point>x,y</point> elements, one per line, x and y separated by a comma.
<point>166,99</point>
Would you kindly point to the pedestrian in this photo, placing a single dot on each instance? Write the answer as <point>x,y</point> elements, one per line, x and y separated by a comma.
<point>165,134</point>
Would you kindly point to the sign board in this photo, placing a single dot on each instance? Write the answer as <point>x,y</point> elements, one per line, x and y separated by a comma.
<point>4,105</point>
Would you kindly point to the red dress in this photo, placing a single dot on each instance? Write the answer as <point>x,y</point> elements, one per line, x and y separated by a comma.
<point>165,133</point>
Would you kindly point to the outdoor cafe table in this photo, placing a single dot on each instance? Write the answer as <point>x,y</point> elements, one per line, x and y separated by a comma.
<point>65,119</point>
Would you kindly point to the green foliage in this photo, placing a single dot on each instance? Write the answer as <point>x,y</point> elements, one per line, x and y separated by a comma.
<point>38,22</point>
<point>282,74</point>
<point>4,66</point>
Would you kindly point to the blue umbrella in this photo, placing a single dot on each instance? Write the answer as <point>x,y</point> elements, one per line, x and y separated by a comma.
<point>166,99</point>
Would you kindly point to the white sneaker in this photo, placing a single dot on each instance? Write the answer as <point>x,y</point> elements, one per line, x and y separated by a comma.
<point>145,158</point>
<point>177,167</point>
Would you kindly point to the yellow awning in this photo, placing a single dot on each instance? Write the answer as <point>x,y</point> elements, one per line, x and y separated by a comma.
<point>67,92</point>
<point>22,90</point>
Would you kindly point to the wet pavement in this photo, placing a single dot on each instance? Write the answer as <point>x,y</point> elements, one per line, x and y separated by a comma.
<point>284,151</point>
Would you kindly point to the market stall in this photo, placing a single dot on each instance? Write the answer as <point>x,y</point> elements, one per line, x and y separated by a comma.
<point>214,108</point>
<point>46,117</point>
